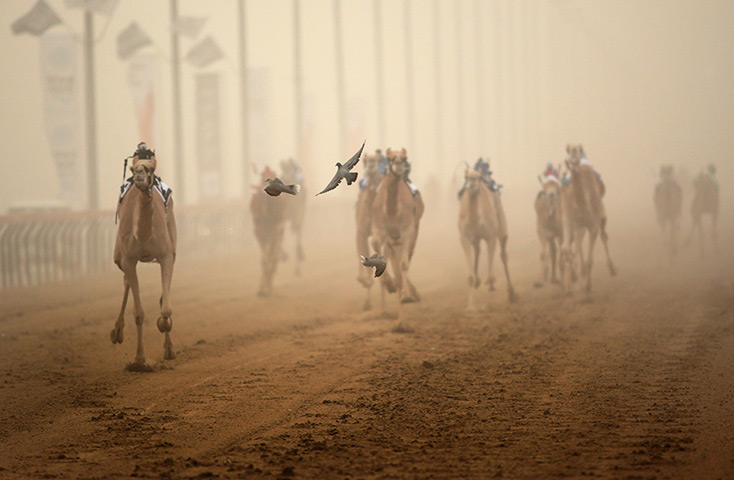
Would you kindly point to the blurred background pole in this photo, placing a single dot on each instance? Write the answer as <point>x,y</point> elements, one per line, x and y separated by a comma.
<point>298,79</point>
<point>175,77</point>
<point>90,100</point>
<point>341,100</point>
<point>379,74</point>
<point>409,74</point>
<point>244,120</point>
<point>479,68</point>
<point>437,80</point>
<point>460,113</point>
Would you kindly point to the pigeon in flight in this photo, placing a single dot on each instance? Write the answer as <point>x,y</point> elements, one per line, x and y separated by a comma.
<point>375,261</point>
<point>343,171</point>
<point>276,187</point>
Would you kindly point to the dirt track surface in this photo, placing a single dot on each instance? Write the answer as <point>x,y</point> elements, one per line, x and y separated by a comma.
<point>635,380</point>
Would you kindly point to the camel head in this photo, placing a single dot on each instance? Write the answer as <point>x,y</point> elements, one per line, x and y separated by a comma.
<point>473,180</point>
<point>552,194</point>
<point>397,161</point>
<point>143,167</point>
<point>372,164</point>
<point>666,172</point>
<point>575,153</point>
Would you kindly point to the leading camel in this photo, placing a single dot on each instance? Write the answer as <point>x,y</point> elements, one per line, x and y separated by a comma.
<point>582,212</point>
<point>549,225</point>
<point>268,218</point>
<point>482,219</point>
<point>396,215</point>
<point>146,233</point>
<point>371,179</point>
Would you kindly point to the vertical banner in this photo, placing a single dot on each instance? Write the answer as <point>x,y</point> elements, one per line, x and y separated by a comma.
<point>61,113</point>
<point>208,137</point>
<point>141,76</point>
<point>259,105</point>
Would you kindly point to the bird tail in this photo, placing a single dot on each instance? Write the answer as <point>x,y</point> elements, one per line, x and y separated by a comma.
<point>296,188</point>
<point>351,177</point>
<point>364,259</point>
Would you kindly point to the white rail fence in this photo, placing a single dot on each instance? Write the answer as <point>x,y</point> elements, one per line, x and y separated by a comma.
<point>41,248</point>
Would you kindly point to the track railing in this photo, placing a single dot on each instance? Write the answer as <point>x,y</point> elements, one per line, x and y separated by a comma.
<point>41,248</point>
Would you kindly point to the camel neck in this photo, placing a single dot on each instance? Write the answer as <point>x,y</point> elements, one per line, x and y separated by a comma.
<point>393,182</point>
<point>473,207</point>
<point>143,217</point>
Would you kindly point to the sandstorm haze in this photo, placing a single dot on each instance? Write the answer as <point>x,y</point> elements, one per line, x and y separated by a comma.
<point>638,83</point>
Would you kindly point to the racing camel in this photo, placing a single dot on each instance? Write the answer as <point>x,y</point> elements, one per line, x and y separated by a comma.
<point>482,219</point>
<point>582,211</point>
<point>548,224</point>
<point>367,190</point>
<point>396,214</point>
<point>705,202</point>
<point>146,233</point>
<point>268,218</point>
<point>668,200</point>
<point>295,209</point>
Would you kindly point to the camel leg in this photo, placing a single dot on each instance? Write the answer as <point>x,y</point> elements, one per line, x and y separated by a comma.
<point>714,234</point>
<point>132,277</point>
<point>299,250</point>
<point>116,333</point>
<point>581,234</point>
<point>544,260</point>
<point>165,322</point>
<point>491,246</point>
<point>471,262</point>
<point>553,258</point>
<point>590,258</point>
<point>512,296</point>
<point>604,242</point>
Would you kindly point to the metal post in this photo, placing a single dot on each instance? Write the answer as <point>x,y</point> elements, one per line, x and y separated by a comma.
<point>409,74</point>
<point>437,80</point>
<point>178,153</point>
<point>341,97</point>
<point>298,87</point>
<point>380,74</point>
<point>244,119</point>
<point>482,127</point>
<point>92,197</point>
<point>460,84</point>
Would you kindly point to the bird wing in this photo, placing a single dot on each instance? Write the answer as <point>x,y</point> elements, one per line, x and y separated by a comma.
<point>277,181</point>
<point>332,184</point>
<point>380,269</point>
<point>355,159</point>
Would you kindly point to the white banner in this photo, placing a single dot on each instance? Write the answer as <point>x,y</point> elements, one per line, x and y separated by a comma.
<point>142,77</point>
<point>208,136</point>
<point>59,59</point>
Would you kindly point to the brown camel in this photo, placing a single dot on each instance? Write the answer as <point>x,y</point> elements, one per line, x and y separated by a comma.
<point>668,200</point>
<point>396,215</point>
<point>549,225</point>
<point>367,190</point>
<point>146,233</point>
<point>705,202</point>
<point>268,218</point>
<point>482,219</point>
<point>295,210</point>
<point>582,211</point>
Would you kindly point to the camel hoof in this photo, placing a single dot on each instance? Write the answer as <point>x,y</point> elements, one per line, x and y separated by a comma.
<point>164,324</point>
<point>116,335</point>
<point>168,354</point>
<point>139,366</point>
<point>408,299</point>
<point>512,296</point>
<point>389,286</point>
<point>262,294</point>
<point>538,285</point>
<point>367,306</point>
<point>612,270</point>
<point>555,281</point>
<point>491,286</point>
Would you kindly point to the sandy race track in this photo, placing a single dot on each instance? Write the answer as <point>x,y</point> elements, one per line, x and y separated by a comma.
<point>635,380</point>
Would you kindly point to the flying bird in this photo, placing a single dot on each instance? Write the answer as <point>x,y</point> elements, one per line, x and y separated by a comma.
<point>375,261</point>
<point>343,171</point>
<point>276,187</point>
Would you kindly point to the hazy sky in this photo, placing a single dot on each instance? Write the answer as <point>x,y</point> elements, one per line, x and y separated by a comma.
<point>637,82</point>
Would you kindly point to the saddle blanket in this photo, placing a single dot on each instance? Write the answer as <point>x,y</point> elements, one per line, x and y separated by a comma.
<point>158,185</point>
